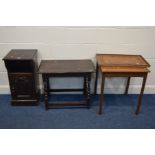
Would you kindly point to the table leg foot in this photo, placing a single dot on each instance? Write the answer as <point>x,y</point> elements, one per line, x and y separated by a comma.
<point>88,107</point>
<point>137,112</point>
<point>100,113</point>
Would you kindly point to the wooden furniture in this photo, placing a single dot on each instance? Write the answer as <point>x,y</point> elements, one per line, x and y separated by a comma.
<point>66,68</point>
<point>114,65</point>
<point>22,70</point>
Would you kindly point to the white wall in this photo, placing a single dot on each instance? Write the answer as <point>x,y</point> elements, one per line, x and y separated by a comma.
<point>81,43</point>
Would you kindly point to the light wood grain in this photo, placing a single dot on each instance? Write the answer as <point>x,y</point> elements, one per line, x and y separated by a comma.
<point>124,69</point>
<point>121,60</point>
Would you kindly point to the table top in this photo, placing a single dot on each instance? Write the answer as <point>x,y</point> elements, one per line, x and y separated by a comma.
<point>121,60</point>
<point>20,54</point>
<point>66,66</point>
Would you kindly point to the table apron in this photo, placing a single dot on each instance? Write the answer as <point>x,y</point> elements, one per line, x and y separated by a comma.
<point>128,74</point>
<point>66,74</point>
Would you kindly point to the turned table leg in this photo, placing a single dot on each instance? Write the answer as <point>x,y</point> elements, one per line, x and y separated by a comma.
<point>88,79</point>
<point>96,79</point>
<point>101,95</point>
<point>141,95</point>
<point>127,86</point>
<point>45,82</point>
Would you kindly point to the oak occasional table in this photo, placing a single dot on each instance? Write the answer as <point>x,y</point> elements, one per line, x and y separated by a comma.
<point>115,65</point>
<point>67,68</point>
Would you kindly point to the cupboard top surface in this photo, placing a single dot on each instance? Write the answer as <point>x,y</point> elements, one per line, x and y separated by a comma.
<point>21,54</point>
<point>121,60</point>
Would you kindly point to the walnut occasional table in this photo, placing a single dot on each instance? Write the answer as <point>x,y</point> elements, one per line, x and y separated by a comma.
<point>67,68</point>
<point>115,65</point>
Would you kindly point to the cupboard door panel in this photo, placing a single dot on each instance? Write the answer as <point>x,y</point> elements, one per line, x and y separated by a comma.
<point>22,86</point>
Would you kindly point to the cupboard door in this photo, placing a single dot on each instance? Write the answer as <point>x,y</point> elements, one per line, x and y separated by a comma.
<point>22,86</point>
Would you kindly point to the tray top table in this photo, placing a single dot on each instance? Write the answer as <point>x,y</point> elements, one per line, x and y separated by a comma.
<point>66,68</point>
<point>116,65</point>
<point>121,60</point>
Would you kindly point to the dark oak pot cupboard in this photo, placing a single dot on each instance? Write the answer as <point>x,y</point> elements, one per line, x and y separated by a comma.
<point>22,70</point>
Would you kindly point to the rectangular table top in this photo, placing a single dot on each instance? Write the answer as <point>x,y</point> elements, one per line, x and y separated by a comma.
<point>121,60</point>
<point>66,66</point>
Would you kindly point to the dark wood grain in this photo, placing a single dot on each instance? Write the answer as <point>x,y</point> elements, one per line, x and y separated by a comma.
<point>22,70</point>
<point>66,66</point>
<point>21,54</point>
